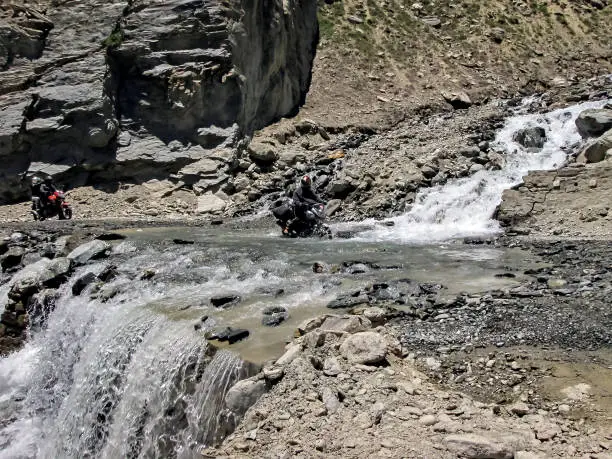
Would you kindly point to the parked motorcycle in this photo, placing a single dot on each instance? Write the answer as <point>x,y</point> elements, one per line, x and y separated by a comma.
<point>312,226</point>
<point>56,205</point>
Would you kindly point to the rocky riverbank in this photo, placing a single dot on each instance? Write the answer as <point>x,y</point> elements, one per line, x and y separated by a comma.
<point>521,373</point>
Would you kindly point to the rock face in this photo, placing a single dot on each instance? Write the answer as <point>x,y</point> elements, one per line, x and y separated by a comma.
<point>142,89</point>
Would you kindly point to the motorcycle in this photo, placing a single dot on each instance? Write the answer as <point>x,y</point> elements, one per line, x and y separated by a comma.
<point>311,226</point>
<point>56,205</point>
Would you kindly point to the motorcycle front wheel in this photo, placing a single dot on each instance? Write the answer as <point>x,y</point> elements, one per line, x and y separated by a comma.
<point>65,213</point>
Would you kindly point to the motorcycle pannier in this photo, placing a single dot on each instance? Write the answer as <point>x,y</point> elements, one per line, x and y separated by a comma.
<point>283,212</point>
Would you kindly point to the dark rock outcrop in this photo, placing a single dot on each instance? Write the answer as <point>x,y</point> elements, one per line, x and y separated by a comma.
<point>142,89</point>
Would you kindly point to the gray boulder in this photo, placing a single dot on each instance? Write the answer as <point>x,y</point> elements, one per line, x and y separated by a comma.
<point>244,394</point>
<point>210,204</point>
<point>12,258</point>
<point>44,272</point>
<point>533,137</point>
<point>89,251</point>
<point>262,152</point>
<point>458,100</point>
<point>594,122</point>
<point>596,151</point>
<point>478,447</point>
<point>367,348</point>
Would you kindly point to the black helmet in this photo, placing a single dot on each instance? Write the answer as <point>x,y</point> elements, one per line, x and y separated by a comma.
<point>48,179</point>
<point>306,182</point>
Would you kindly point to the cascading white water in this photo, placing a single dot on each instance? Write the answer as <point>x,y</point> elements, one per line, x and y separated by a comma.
<point>464,207</point>
<point>122,378</point>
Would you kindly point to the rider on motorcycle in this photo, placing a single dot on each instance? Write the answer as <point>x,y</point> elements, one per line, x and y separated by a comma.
<point>303,198</point>
<point>41,191</point>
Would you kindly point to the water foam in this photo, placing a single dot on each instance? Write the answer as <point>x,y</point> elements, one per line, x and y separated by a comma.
<point>464,207</point>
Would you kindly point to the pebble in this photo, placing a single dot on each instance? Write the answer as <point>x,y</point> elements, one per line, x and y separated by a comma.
<point>428,420</point>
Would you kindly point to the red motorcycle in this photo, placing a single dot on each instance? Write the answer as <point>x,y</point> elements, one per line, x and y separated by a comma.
<point>56,205</point>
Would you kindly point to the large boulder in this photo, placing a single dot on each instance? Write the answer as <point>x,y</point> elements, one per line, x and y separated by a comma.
<point>459,100</point>
<point>532,137</point>
<point>596,151</point>
<point>367,348</point>
<point>89,251</point>
<point>262,152</point>
<point>594,122</point>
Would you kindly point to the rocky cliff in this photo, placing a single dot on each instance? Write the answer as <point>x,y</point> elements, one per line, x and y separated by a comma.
<point>95,92</point>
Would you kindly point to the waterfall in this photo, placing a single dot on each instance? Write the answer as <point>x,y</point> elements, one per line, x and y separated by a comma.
<point>464,207</point>
<point>123,378</point>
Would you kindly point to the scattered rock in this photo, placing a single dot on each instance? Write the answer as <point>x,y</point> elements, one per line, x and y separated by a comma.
<point>368,348</point>
<point>224,301</point>
<point>331,367</point>
<point>478,447</point>
<point>458,100</point>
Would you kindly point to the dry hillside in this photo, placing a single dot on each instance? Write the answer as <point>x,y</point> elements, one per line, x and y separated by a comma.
<point>376,58</point>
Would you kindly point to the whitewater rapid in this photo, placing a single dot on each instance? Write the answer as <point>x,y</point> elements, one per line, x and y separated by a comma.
<point>464,207</point>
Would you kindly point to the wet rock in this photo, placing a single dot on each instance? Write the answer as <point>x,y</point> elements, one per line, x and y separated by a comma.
<point>50,273</point>
<point>110,237</point>
<point>596,151</point>
<point>348,301</point>
<point>368,348</point>
<point>274,316</point>
<point>236,335</point>
<point>12,258</point>
<point>594,122</point>
<point>478,447</point>
<point>244,394</point>
<point>82,282</point>
<point>219,334</point>
<point>183,242</point>
<point>148,274</point>
<point>533,137</point>
<point>42,303</point>
<point>224,301</point>
<point>92,250</point>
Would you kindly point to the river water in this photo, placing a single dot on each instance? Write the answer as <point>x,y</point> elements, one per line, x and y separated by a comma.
<point>132,376</point>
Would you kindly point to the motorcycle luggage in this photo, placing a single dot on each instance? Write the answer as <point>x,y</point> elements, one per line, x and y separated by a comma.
<point>283,212</point>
